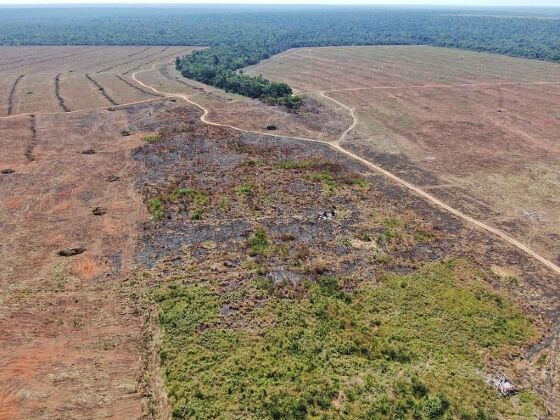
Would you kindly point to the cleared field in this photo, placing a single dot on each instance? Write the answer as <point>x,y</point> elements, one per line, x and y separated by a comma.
<point>53,79</point>
<point>396,66</point>
<point>317,119</point>
<point>70,337</point>
<point>403,305</point>
<point>480,131</point>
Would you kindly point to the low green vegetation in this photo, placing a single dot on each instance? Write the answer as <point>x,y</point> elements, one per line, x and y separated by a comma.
<point>296,164</point>
<point>152,138</point>
<point>326,179</point>
<point>258,242</point>
<point>198,197</point>
<point>244,189</point>
<point>403,347</point>
<point>155,206</point>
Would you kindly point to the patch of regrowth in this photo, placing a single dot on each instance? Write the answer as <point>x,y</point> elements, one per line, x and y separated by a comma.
<point>152,138</point>
<point>186,128</point>
<point>393,222</point>
<point>296,164</point>
<point>405,347</point>
<point>225,205</point>
<point>360,182</point>
<point>423,236</point>
<point>253,162</point>
<point>199,198</point>
<point>258,242</point>
<point>326,179</point>
<point>244,189</point>
<point>156,208</point>
<point>196,214</point>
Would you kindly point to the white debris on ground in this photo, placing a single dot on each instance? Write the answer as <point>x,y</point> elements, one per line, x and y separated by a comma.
<point>502,385</point>
<point>326,215</point>
<point>534,215</point>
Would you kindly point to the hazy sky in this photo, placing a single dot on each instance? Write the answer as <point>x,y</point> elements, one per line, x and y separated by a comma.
<point>548,3</point>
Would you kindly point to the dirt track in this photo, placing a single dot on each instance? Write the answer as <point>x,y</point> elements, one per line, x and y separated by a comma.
<point>336,145</point>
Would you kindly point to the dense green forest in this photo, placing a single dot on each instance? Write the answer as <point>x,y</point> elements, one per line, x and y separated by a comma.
<point>243,35</point>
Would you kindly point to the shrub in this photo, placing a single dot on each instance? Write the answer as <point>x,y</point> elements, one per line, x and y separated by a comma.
<point>258,242</point>
<point>155,206</point>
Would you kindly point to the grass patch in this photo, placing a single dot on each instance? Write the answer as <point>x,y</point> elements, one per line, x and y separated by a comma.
<point>409,347</point>
<point>244,189</point>
<point>198,197</point>
<point>155,206</point>
<point>152,139</point>
<point>225,205</point>
<point>326,179</point>
<point>253,162</point>
<point>295,164</point>
<point>360,182</point>
<point>258,242</point>
<point>423,236</point>
<point>186,128</point>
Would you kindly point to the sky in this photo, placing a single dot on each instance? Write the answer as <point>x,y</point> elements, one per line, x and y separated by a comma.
<point>532,3</point>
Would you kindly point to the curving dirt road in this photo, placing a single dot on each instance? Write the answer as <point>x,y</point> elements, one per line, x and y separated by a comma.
<point>337,146</point>
<point>81,110</point>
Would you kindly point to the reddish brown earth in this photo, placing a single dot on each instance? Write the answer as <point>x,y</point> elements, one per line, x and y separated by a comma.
<point>72,335</point>
<point>53,78</point>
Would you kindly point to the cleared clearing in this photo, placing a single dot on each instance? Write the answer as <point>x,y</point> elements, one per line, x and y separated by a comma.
<point>86,356</point>
<point>55,76</point>
<point>486,127</point>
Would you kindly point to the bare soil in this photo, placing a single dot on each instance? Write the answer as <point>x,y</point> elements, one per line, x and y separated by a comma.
<point>74,339</point>
<point>53,79</point>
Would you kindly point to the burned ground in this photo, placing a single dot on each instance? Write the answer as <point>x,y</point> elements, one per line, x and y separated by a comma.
<point>232,210</point>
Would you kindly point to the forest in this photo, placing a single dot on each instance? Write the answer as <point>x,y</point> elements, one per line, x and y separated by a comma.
<point>243,35</point>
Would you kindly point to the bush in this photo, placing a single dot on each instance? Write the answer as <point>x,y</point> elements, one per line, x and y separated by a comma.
<point>258,242</point>
<point>155,206</point>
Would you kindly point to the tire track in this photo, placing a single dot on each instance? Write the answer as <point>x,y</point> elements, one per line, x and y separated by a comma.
<point>101,89</point>
<point>138,88</point>
<point>337,147</point>
<point>57,94</point>
<point>148,62</point>
<point>31,146</point>
<point>139,52</point>
<point>12,93</point>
